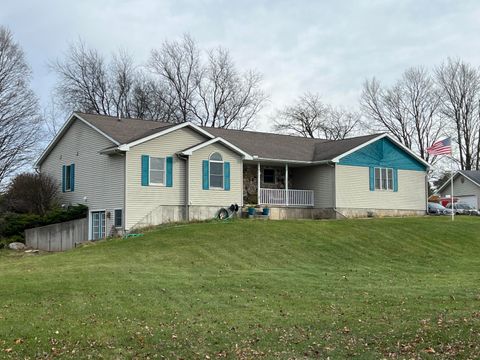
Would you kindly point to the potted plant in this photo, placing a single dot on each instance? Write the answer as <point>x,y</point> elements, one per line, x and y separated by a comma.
<point>266,211</point>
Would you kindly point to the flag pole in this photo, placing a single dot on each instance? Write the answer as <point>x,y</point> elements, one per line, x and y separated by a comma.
<point>451,189</point>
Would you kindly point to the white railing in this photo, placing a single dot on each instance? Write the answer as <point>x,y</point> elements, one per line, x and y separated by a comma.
<point>280,197</point>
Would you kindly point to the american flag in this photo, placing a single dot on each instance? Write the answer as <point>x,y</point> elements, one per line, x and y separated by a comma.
<point>441,147</point>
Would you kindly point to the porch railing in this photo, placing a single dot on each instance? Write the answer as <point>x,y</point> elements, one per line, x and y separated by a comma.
<point>290,197</point>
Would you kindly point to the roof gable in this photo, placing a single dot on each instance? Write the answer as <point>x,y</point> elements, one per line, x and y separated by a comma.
<point>383,152</point>
<point>471,175</point>
<point>66,126</point>
<point>189,151</point>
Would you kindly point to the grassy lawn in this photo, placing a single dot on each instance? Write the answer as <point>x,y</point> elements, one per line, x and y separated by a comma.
<point>376,288</point>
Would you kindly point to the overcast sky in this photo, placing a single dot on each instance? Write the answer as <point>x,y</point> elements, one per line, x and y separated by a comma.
<point>329,47</point>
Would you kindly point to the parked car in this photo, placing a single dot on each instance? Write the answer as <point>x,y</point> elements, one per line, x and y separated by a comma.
<point>437,209</point>
<point>463,209</point>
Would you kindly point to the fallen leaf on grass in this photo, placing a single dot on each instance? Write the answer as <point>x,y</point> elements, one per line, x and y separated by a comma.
<point>18,341</point>
<point>9,350</point>
<point>430,350</point>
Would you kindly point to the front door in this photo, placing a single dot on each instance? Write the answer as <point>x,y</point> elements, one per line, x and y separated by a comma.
<point>98,225</point>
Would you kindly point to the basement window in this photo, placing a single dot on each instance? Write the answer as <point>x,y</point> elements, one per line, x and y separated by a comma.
<point>118,218</point>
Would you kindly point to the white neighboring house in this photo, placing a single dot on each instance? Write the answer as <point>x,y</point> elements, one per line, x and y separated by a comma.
<point>133,173</point>
<point>466,187</point>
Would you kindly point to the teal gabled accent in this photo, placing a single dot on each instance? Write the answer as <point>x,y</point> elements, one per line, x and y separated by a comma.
<point>383,153</point>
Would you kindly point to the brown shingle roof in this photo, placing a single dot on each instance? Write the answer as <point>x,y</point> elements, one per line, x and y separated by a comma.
<point>261,144</point>
<point>123,130</point>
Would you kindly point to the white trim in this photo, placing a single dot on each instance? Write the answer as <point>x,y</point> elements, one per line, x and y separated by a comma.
<point>259,182</point>
<point>126,147</point>
<point>456,173</point>
<point>403,147</point>
<point>62,131</point>
<point>190,151</point>
<point>150,171</point>
<point>286,183</point>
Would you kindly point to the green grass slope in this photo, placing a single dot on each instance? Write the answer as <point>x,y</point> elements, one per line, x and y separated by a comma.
<point>375,288</point>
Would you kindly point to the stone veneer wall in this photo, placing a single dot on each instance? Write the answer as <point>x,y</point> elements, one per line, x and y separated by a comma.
<point>250,181</point>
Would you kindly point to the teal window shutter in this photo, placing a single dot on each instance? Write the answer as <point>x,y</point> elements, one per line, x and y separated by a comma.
<point>145,170</point>
<point>372,178</point>
<point>395,180</point>
<point>64,174</point>
<point>169,182</point>
<point>205,184</point>
<point>72,177</point>
<point>226,175</point>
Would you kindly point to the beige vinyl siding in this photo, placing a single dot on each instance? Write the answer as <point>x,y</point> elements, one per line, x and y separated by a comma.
<point>320,179</point>
<point>462,189</point>
<point>353,191</point>
<point>142,200</point>
<point>98,177</point>
<point>215,197</point>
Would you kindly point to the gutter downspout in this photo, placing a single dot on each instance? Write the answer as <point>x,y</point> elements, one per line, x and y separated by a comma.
<point>187,185</point>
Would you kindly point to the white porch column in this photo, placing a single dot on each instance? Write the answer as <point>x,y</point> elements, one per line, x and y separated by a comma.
<point>258,183</point>
<point>286,184</point>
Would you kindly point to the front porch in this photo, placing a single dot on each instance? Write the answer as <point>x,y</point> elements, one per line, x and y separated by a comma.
<point>273,185</point>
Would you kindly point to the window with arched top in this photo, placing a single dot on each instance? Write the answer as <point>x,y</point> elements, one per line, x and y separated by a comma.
<point>216,170</point>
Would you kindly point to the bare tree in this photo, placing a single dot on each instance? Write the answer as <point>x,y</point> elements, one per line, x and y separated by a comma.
<point>83,80</point>
<point>342,124</point>
<point>178,64</point>
<point>209,92</point>
<point>51,119</point>
<point>226,98</point>
<point>408,110</point>
<point>460,97</point>
<point>88,82</point>
<point>19,119</point>
<point>310,117</point>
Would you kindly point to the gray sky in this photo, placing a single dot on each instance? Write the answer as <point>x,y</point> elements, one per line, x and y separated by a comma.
<point>328,47</point>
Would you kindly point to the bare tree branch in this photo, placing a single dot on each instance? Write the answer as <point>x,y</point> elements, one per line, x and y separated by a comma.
<point>409,110</point>
<point>310,117</point>
<point>460,96</point>
<point>19,119</point>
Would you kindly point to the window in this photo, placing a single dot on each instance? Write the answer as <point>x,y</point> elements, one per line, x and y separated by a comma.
<point>269,176</point>
<point>383,179</point>
<point>157,171</point>
<point>216,171</point>
<point>118,218</point>
<point>68,177</point>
